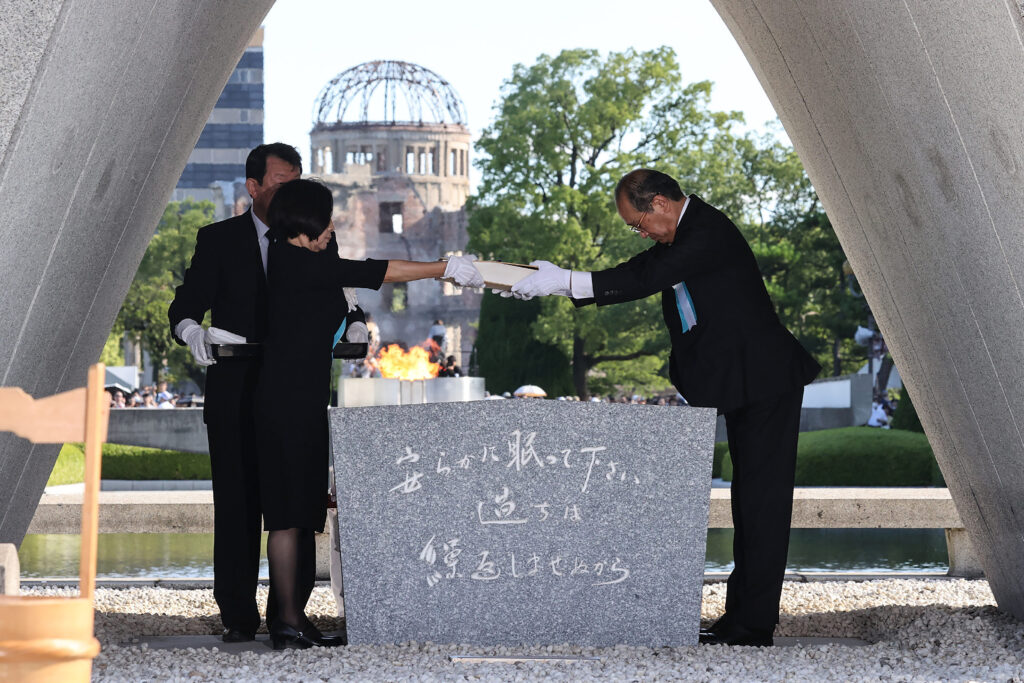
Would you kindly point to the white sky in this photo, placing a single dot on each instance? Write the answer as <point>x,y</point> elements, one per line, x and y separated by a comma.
<point>473,44</point>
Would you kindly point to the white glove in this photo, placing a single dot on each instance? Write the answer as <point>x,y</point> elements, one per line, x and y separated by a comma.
<point>350,297</point>
<point>460,269</point>
<point>215,335</point>
<point>357,333</point>
<point>194,336</point>
<point>549,279</point>
<point>506,294</point>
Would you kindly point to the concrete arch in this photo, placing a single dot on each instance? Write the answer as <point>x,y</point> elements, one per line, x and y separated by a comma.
<point>905,115</point>
<point>907,118</point>
<point>101,103</point>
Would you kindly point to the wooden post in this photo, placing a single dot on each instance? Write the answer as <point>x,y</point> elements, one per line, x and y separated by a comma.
<point>96,413</point>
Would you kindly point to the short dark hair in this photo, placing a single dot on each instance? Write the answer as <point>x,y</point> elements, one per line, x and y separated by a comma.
<point>300,207</point>
<point>256,162</point>
<point>641,186</point>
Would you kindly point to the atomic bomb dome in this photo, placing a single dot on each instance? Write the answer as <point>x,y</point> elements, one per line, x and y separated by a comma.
<point>387,92</point>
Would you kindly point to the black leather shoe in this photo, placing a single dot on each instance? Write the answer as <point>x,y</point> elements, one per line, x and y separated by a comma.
<point>734,634</point>
<point>719,625</point>
<point>234,635</point>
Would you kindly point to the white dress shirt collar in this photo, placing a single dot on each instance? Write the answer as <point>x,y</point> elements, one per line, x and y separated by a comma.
<point>261,227</point>
<point>681,212</point>
<point>261,237</point>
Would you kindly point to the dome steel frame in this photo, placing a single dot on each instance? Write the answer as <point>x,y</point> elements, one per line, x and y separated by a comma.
<point>395,83</point>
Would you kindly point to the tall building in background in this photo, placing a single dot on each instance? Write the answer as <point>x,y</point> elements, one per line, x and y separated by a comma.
<point>216,167</point>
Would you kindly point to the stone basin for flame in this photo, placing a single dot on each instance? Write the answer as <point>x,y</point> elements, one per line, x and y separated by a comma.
<point>359,392</point>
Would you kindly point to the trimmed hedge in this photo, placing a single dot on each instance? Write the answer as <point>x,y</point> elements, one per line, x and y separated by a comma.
<point>851,456</point>
<point>721,451</point>
<point>861,456</point>
<point>130,462</point>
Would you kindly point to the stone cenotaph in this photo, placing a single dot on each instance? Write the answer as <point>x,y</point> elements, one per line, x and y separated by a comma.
<point>523,522</point>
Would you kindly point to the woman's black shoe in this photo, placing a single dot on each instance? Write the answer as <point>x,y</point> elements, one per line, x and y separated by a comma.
<point>320,640</point>
<point>284,636</point>
<point>331,641</point>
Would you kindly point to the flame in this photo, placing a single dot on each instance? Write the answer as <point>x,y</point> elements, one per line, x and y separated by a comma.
<point>396,362</point>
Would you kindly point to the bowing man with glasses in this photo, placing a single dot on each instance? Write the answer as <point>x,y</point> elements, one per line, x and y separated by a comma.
<point>730,352</point>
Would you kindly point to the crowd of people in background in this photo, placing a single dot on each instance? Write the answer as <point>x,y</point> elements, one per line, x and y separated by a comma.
<point>674,400</point>
<point>150,396</point>
<point>882,408</point>
<point>635,399</point>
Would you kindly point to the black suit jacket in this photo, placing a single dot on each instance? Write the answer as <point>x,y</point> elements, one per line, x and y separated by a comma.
<point>226,278</point>
<point>738,352</point>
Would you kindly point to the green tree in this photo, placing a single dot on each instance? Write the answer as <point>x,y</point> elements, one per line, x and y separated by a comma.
<point>112,353</point>
<point>143,314</point>
<point>566,129</point>
<point>799,255</point>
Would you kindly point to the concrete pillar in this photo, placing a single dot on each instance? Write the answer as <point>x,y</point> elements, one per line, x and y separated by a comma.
<point>334,561</point>
<point>907,118</point>
<point>323,556</point>
<point>102,103</point>
<point>963,561</point>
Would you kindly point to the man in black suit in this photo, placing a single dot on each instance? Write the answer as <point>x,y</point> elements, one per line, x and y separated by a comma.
<point>729,351</point>
<point>227,277</point>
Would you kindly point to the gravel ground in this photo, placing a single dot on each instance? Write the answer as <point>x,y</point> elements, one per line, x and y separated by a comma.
<point>919,630</point>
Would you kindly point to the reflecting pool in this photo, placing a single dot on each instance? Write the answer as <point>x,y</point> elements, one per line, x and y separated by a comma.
<point>191,555</point>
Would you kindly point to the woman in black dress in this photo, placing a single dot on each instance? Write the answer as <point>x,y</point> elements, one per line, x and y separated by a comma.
<point>307,307</point>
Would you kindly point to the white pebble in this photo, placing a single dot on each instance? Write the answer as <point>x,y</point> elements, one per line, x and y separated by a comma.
<point>919,629</point>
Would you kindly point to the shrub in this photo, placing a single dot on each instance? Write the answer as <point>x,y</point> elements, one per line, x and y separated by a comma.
<point>862,456</point>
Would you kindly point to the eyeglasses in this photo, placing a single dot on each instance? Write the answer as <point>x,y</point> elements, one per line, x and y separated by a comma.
<point>636,227</point>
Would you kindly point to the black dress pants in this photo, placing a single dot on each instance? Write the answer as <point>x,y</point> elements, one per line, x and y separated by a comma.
<point>762,445</point>
<point>231,430</point>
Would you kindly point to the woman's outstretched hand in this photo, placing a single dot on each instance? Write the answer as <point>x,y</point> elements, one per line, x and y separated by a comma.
<point>461,271</point>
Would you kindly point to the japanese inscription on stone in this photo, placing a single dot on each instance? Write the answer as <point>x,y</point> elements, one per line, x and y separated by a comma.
<point>523,522</point>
